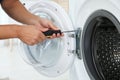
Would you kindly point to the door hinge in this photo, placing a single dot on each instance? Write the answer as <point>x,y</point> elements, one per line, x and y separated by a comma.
<point>78,36</point>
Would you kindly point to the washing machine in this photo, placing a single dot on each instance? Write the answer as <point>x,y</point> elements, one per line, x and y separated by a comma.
<point>92,52</point>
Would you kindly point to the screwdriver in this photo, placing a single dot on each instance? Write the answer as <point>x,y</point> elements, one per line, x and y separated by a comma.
<point>49,33</point>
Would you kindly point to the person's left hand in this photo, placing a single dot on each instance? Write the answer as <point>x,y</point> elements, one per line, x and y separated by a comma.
<point>44,25</point>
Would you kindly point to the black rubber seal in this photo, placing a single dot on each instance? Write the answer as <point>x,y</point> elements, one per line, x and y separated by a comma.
<point>88,41</point>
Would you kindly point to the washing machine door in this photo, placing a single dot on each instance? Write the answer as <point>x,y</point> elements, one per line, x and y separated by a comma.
<point>53,56</point>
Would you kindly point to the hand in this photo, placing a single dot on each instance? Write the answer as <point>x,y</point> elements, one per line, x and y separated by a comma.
<point>30,35</point>
<point>44,25</point>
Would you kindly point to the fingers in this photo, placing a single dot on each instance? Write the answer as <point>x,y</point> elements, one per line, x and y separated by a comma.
<point>42,28</point>
<point>37,40</point>
<point>40,38</point>
<point>44,23</point>
<point>52,26</point>
<point>58,35</point>
<point>30,35</point>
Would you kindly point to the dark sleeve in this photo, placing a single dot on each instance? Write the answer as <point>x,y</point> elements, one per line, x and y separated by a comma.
<point>1,1</point>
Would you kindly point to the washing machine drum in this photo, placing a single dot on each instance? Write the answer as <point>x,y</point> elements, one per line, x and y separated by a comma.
<point>101,45</point>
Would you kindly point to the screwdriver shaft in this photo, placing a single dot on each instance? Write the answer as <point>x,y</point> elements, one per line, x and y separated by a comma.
<point>69,31</point>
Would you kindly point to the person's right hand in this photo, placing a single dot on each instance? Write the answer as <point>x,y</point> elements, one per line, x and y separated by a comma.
<point>30,35</point>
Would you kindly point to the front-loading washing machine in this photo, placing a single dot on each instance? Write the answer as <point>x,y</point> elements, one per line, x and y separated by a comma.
<point>91,52</point>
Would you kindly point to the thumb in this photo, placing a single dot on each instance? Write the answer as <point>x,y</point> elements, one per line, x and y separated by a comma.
<point>53,26</point>
<point>44,29</point>
<point>41,28</point>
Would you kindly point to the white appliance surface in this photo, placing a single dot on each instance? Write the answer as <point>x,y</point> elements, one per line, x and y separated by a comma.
<point>80,10</point>
<point>79,15</point>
